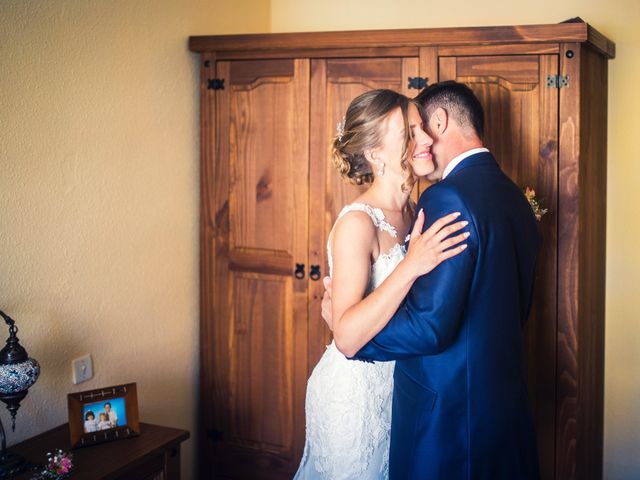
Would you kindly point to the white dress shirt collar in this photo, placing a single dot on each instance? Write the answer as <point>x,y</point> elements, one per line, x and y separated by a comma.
<point>456,161</point>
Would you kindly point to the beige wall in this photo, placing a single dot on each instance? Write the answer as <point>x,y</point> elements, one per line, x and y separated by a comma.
<point>99,187</point>
<point>619,20</point>
<point>99,195</point>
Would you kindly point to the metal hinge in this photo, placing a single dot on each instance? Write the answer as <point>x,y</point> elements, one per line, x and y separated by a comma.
<point>557,81</point>
<point>215,83</point>
<point>417,83</point>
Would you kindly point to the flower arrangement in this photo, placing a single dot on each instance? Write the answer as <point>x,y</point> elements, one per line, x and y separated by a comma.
<point>538,211</point>
<point>58,467</point>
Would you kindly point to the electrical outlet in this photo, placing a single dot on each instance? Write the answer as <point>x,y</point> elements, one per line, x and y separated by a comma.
<point>82,369</point>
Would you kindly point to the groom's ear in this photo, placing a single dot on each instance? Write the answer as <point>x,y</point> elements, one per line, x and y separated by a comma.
<point>439,121</point>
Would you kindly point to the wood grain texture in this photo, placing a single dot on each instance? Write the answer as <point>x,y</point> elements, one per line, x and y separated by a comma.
<point>428,58</point>
<point>262,114</point>
<point>601,44</point>
<point>217,287</point>
<point>563,32</point>
<point>541,329</point>
<point>247,72</point>
<point>257,229</point>
<point>321,53</point>
<point>509,49</point>
<point>213,220</point>
<point>277,262</point>
<point>568,244</point>
<point>592,184</point>
<point>447,68</point>
<point>319,214</point>
<point>298,357</point>
<point>513,69</point>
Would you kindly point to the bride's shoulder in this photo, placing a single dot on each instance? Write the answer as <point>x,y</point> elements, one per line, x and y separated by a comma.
<point>354,227</point>
<point>354,221</point>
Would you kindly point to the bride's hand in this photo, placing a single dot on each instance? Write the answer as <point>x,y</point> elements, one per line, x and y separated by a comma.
<point>427,250</point>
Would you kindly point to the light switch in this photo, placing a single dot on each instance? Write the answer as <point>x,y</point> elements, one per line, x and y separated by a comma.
<point>82,369</point>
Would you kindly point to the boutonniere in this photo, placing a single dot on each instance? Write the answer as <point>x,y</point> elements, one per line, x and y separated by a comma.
<point>535,203</point>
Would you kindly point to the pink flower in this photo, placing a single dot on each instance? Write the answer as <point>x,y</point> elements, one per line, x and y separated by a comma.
<point>65,465</point>
<point>59,463</point>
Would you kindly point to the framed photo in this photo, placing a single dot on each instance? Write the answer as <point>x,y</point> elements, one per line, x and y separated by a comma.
<point>103,415</point>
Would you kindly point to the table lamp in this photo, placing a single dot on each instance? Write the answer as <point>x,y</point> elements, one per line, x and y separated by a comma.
<point>17,373</point>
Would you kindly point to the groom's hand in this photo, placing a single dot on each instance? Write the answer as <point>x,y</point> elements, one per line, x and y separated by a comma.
<point>326,302</point>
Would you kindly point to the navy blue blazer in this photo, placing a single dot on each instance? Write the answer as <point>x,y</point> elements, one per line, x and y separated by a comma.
<point>460,408</point>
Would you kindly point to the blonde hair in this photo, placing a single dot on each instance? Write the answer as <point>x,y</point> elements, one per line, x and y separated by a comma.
<point>361,130</point>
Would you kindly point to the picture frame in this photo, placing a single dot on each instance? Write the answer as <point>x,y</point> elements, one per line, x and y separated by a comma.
<point>103,415</point>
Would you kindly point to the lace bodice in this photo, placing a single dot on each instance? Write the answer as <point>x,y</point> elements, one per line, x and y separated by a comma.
<point>385,262</point>
<point>348,403</point>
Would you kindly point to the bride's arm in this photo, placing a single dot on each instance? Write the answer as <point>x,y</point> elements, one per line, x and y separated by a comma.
<point>357,319</point>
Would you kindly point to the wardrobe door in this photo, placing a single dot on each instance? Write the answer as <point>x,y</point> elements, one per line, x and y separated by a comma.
<point>255,268</point>
<point>521,130</point>
<point>334,83</point>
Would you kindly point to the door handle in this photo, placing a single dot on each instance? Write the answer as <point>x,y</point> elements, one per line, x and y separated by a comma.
<point>299,273</point>
<point>315,272</point>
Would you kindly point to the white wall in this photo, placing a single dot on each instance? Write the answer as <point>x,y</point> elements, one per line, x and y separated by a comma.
<point>99,196</point>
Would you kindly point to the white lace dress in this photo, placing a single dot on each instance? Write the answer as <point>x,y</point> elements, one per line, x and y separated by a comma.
<point>348,403</point>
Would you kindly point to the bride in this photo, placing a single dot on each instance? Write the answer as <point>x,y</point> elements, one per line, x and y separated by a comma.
<point>381,142</point>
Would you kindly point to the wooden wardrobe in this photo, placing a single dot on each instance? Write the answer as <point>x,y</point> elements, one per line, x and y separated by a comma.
<point>269,107</point>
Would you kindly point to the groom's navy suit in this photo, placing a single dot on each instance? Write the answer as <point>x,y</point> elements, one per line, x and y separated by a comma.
<point>460,401</point>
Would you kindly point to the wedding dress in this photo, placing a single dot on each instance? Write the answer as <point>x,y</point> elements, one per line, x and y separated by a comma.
<point>348,402</point>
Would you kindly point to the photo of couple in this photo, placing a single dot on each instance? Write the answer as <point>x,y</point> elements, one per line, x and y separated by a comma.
<point>104,415</point>
<point>426,301</point>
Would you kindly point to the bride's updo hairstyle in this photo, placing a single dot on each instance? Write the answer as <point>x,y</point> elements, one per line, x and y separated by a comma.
<point>362,129</point>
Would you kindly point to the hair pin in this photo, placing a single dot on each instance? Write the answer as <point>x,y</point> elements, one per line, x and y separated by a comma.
<point>340,128</point>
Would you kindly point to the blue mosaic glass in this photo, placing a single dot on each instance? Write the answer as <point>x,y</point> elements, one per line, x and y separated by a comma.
<point>17,377</point>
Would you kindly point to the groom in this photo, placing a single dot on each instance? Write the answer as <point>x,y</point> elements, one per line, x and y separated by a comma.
<point>460,402</point>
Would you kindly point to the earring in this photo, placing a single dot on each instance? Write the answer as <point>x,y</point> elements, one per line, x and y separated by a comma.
<point>380,169</point>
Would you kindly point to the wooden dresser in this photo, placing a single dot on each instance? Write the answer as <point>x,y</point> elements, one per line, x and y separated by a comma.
<point>269,107</point>
<point>153,455</point>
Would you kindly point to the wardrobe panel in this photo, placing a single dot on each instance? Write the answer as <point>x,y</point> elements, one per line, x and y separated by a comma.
<point>260,374</point>
<point>259,371</point>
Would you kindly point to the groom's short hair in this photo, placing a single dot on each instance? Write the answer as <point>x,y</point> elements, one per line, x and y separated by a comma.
<point>457,100</point>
